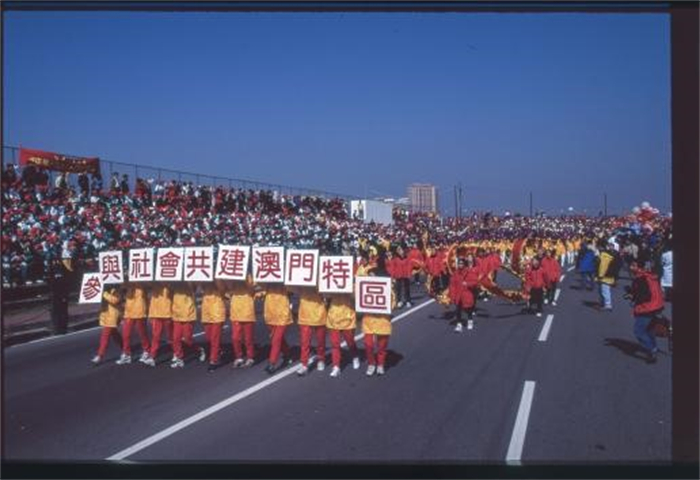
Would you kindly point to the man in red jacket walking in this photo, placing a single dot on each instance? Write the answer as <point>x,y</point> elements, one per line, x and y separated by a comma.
<point>534,284</point>
<point>648,300</point>
<point>462,284</point>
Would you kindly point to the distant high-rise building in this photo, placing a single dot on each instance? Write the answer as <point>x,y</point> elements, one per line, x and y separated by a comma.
<point>423,197</point>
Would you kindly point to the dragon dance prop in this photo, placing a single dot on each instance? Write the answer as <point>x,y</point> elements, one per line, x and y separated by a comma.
<point>487,283</point>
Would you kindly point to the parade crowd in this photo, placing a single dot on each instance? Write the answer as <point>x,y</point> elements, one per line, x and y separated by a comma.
<point>458,258</point>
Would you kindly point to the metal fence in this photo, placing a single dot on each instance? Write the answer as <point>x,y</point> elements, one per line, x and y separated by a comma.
<point>10,155</point>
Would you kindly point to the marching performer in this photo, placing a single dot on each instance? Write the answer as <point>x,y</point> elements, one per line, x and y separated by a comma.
<point>160,312</point>
<point>213,317</point>
<point>312,320</point>
<point>278,317</point>
<point>135,310</point>
<point>242,314</point>
<point>342,321</point>
<point>465,279</point>
<point>534,284</point>
<point>109,318</point>
<point>184,318</point>
<point>552,271</point>
<point>377,330</point>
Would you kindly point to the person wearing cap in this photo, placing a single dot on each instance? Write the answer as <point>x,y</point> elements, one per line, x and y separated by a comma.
<point>109,320</point>
<point>160,312</point>
<point>135,311</point>
<point>242,315</point>
<point>312,317</point>
<point>213,317</point>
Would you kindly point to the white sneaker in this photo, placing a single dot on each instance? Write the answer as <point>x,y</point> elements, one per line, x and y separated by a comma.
<point>302,370</point>
<point>202,355</point>
<point>178,363</point>
<point>399,305</point>
<point>458,328</point>
<point>380,370</point>
<point>470,324</point>
<point>238,363</point>
<point>538,314</point>
<point>409,304</point>
<point>124,359</point>
<point>249,362</point>
<point>96,360</point>
<point>144,356</point>
<point>335,372</point>
<point>486,299</point>
<point>370,370</point>
<point>321,366</point>
<point>150,362</point>
<point>554,304</point>
<point>355,363</point>
<point>546,302</point>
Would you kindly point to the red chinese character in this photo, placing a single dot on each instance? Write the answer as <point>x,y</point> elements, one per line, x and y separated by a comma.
<point>168,264</point>
<point>111,267</point>
<point>373,295</point>
<point>92,288</point>
<point>231,263</point>
<point>338,272</point>
<point>198,261</point>
<point>140,265</point>
<point>302,260</point>
<point>268,264</point>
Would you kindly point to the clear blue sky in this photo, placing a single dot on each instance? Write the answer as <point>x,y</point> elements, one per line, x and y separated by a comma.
<point>565,105</point>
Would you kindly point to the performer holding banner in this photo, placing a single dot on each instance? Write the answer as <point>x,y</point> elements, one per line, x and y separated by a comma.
<point>109,319</point>
<point>376,326</point>
<point>160,312</point>
<point>184,318</point>
<point>242,314</point>
<point>278,317</point>
<point>135,309</point>
<point>213,317</point>
<point>342,322</point>
<point>312,320</point>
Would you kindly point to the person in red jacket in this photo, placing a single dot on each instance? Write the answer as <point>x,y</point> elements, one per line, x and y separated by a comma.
<point>462,284</point>
<point>534,284</point>
<point>436,268</point>
<point>648,300</point>
<point>402,269</point>
<point>552,272</point>
<point>417,262</point>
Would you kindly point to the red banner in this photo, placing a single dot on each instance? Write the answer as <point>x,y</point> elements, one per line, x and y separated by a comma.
<point>56,161</point>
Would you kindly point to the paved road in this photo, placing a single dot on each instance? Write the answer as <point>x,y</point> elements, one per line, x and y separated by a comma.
<point>445,397</point>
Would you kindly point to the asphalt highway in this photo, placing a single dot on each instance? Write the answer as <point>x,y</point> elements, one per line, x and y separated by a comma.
<point>571,386</point>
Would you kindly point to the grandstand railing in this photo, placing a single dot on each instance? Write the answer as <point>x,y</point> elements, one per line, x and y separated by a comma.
<point>10,155</point>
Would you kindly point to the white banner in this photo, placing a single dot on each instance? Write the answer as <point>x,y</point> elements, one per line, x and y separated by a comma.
<point>199,264</point>
<point>111,267</point>
<point>169,264</point>
<point>301,268</point>
<point>232,262</point>
<point>91,288</point>
<point>335,274</point>
<point>373,295</point>
<point>268,264</point>
<point>141,265</point>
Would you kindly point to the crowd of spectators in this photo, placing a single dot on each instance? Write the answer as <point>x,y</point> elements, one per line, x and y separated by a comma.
<point>43,224</point>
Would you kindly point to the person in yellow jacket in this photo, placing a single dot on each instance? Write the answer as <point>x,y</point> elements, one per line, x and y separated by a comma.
<point>160,313</point>
<point>109,319</point>
<point>278,317</point>
<point>605,279</point>
<point>184,318</point>
<point>213,317</point>
<point>242,315</point>
<point>377,328</point>
<point>342,321</point>
<point>311,319</point>
<point>135,312</point>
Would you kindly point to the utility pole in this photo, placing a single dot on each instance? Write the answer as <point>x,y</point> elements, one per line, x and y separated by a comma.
<point>454,188</point>
<point>531,204</point>
<point>460,199</point>
<point>605,204</point>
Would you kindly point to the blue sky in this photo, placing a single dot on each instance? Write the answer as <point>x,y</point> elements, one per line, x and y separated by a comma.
<point>568,106</point>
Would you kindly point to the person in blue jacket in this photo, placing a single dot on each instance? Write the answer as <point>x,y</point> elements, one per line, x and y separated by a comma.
<point>586,265</point>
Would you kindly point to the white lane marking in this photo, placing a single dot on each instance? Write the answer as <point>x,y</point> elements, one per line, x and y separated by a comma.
<point>561,279</point>
<point>55,337</point>
<point>147,442</point>
<point>556,294</point>
<point>570,268</point>
<point>545,328</point>
<point>517,439</point>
